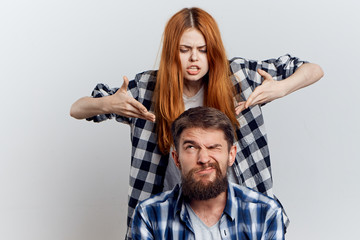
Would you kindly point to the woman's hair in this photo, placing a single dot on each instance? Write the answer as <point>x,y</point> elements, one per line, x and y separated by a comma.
<point>168,94</point>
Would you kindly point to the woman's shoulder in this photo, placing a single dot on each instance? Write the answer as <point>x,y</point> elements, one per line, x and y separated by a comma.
<point>240,63</point>
<point>146,76</point>
<point>145,80</point>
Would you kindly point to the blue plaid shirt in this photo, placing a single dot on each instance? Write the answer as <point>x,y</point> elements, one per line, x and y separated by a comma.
<point>252,165</point>
<point>247,215</point>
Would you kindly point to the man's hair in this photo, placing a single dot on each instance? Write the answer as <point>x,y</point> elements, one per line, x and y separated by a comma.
<point>218,88</point>
<point>205,118</point>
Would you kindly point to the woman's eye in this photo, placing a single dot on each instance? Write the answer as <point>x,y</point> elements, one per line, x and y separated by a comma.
<point>184,50</point>
<point>203,50</point>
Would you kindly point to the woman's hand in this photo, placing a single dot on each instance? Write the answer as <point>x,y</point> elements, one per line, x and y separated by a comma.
<point>122,104</point>
<point>268,91</point>
<point>119,103</point>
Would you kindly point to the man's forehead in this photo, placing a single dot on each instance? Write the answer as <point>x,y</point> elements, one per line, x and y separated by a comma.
<point>199,133</point>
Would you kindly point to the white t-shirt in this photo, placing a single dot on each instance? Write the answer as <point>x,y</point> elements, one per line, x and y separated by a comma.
<point>201,230</point>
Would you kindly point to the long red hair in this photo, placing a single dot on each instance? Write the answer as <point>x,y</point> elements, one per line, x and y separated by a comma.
<point>168,94</point>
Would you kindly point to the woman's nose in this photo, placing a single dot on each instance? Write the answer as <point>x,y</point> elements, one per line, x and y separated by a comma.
<point>193,56</point>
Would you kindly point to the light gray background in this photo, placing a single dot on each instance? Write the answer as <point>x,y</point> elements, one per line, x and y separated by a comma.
<point>64,179</point>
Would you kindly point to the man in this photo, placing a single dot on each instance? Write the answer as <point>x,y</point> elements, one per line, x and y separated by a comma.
<point>206,205</point>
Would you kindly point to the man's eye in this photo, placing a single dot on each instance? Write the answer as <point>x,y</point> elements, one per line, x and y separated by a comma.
<point>215,149</point>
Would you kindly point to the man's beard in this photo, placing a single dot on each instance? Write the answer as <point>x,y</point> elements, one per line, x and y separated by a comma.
<point>198,190</point>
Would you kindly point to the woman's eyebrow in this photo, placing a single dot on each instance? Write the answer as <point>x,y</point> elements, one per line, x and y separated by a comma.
<point>187,46</point>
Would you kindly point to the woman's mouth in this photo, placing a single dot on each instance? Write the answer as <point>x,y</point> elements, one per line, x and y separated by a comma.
<point>193,70</point>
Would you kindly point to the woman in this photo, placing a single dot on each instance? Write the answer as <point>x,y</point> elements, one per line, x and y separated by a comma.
<point>194,71</point>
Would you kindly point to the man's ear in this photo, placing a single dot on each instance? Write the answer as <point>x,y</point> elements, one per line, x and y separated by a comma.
<point>232,155</point>
<point>175,156</point>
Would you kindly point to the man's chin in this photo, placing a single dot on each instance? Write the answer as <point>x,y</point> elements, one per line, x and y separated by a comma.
<point>205,177</point>
<point>204,188</point>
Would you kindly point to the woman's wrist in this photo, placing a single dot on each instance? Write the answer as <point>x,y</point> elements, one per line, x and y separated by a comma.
<point>105,105</point>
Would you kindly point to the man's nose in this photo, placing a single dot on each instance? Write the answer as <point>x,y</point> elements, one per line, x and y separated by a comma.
<point>203,156</point>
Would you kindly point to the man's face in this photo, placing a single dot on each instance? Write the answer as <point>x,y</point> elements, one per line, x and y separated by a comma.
<point>203,158</point>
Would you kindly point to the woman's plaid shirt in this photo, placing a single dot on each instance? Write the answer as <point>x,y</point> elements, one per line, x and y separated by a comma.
<point>252,165</point>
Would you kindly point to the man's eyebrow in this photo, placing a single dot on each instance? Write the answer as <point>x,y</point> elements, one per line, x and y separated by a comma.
<point>189,142</point>
<point>216,145</point>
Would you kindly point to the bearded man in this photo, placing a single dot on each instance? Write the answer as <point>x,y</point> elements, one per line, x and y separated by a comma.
<point>205,205</point>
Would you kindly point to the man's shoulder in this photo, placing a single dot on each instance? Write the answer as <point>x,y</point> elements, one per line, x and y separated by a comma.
<point>248,195</point>
<point>166,199</point>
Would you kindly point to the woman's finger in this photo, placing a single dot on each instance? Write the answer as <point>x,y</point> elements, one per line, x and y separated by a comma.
<point>125,84</point>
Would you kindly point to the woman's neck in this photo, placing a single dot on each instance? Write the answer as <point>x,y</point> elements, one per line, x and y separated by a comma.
<point>191,88</point>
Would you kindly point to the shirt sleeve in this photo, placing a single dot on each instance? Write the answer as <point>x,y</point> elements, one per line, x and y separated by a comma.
<point>279,68</point>
<point>274,227</point>
<point>246,78</point>
<point>141,228</point>
<point>103,90</point>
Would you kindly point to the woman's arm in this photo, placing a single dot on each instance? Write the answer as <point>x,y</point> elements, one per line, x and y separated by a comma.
<point>119,103</point>
<point>269,90</point>
<point>87,107</point>
<point>305,75</point>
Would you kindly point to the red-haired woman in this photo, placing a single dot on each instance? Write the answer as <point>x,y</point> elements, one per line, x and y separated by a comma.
<point>194,71</point>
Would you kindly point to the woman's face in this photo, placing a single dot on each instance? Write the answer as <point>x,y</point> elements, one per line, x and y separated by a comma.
<point>193,55</point>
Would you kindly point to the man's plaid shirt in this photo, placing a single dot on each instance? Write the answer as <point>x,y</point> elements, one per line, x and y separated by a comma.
<point>247,215</point>
<point>252,165</point>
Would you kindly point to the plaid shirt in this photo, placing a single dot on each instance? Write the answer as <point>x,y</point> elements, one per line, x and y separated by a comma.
<point>247,215</point>
<point>252,165</point>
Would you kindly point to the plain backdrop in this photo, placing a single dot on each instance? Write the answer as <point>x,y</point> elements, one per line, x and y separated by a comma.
<point>66,179</point>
